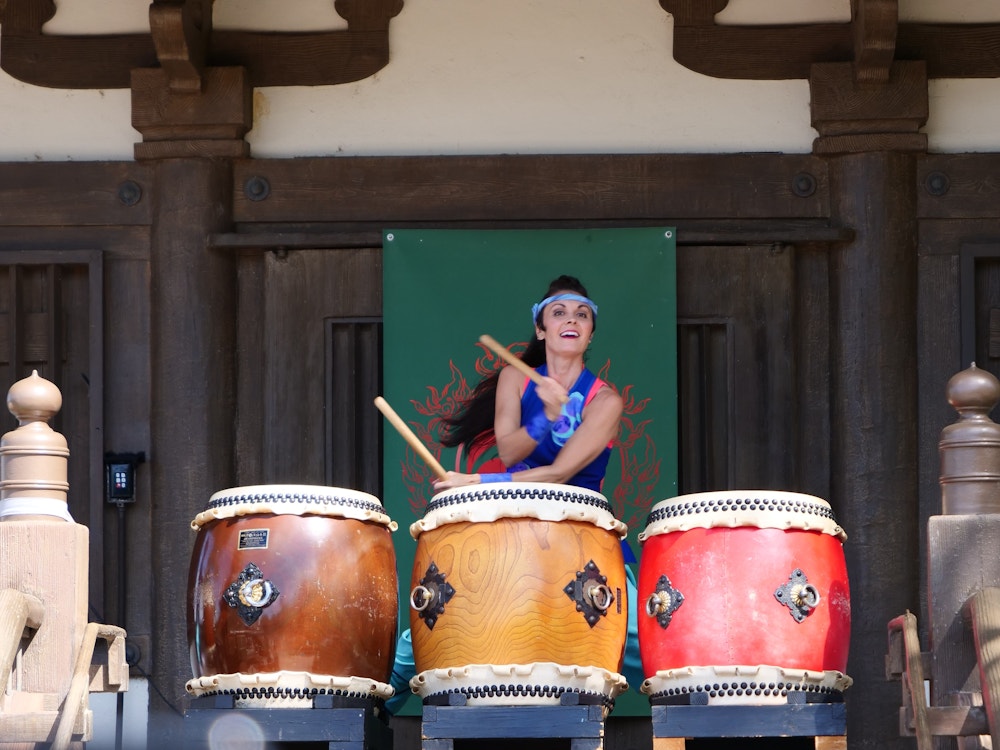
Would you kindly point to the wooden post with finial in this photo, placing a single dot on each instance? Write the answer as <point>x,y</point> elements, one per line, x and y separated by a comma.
<point>962,564</point>
<point>43,585</point>
<point>969,449</point>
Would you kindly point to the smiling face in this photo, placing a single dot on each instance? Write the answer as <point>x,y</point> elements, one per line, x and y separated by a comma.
<point>567,325</point>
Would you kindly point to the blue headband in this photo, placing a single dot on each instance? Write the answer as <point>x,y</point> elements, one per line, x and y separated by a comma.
<point>538,307</point>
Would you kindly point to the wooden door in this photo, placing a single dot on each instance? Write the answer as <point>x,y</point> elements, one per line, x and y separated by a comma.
<point>310,342</point>
<point>741,331</point>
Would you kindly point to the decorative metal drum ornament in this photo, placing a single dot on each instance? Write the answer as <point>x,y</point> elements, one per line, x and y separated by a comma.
<point>518,595</point>
<point>743,598</point>
<point>292,592</point>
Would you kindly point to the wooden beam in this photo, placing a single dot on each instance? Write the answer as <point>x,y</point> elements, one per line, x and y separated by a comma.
<point>958,50</point>
<point>18,611</point>
<point>957,186</point>
<point>913,677</point>
<point>689,233</point>
<point>760,53</point>
<point>39,726</point>
<point>530,188</point>
<point>948,721</point>
<point>79,194</point>
<point>104,61</point>
<point>777,52</point>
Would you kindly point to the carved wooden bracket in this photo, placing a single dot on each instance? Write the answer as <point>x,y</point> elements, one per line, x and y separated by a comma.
<point>183,43</point>
<point>181,32</point>
<point>875,23</point>
<point>871,41</point>
<point>853,118</point>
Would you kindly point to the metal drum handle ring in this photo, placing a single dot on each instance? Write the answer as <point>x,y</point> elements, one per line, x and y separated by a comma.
<point>426,597</point>
<point>600,596</point>
<point>657,603</point>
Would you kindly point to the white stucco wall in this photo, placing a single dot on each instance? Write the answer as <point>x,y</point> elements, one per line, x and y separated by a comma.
<point>480,76</point>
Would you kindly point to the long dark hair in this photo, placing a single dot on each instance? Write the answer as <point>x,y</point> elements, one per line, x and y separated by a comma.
<point>472,424</point>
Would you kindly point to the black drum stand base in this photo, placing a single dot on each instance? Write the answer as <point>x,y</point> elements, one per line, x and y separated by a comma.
<point>343,723</point>
<point>444,722</point>
<point>826,723</point>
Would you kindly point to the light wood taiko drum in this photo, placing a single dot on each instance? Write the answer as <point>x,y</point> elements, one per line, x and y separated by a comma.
<point>518,595</point>
<point>743,597</point>
<point>292,592</point>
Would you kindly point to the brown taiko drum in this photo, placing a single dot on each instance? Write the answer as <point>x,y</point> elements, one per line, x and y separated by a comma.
<point>518,595</point>
<point>292,592</point>
<point>743,598</point>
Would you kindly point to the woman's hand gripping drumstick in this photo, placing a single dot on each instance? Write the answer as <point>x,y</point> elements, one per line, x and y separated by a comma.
<point>514,361</point>
<point>412,440</point>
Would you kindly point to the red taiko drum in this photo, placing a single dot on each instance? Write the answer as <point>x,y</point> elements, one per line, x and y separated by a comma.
<point>292,592</point>
<point>743,598</point>
<point>518,595</point>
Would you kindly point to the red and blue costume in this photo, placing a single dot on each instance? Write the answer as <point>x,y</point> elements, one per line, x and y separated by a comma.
<point>584,389</point>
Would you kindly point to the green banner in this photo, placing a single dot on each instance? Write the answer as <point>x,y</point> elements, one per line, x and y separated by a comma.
<point>443,289</point>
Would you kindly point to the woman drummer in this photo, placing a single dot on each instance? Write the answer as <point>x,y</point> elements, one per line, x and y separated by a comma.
<point>559,429</point>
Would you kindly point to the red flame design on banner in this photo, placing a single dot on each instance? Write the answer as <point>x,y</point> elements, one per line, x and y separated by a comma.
<point>640,467</point>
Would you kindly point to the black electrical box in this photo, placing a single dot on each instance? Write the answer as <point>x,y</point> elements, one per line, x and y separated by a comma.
<point>120,476</point>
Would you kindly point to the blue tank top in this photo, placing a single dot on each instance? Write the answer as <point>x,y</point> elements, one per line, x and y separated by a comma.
<point>590,476</point>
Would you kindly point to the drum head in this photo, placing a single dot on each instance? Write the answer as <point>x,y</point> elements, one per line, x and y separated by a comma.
<point>483,503</point>
<point>285,689</point>
<point>294,499</point>
<point>764,509</point>
<point>737,685</point>
<point>534,684</point>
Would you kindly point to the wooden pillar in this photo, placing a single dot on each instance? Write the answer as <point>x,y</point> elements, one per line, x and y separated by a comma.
<point>874,441</point>
<point>868,114</point>
<point>192,292</point>
<point>192,119</point>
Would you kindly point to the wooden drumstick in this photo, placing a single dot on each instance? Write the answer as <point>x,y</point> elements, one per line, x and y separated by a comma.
<point>514,361</point>
<point>412,440</point>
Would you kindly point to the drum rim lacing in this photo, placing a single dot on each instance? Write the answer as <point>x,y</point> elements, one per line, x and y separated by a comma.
<point>733,509</point>
<point>287,684</point>
<point>744,684</point>
<point>539,500</point>
<point>294,500</point>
